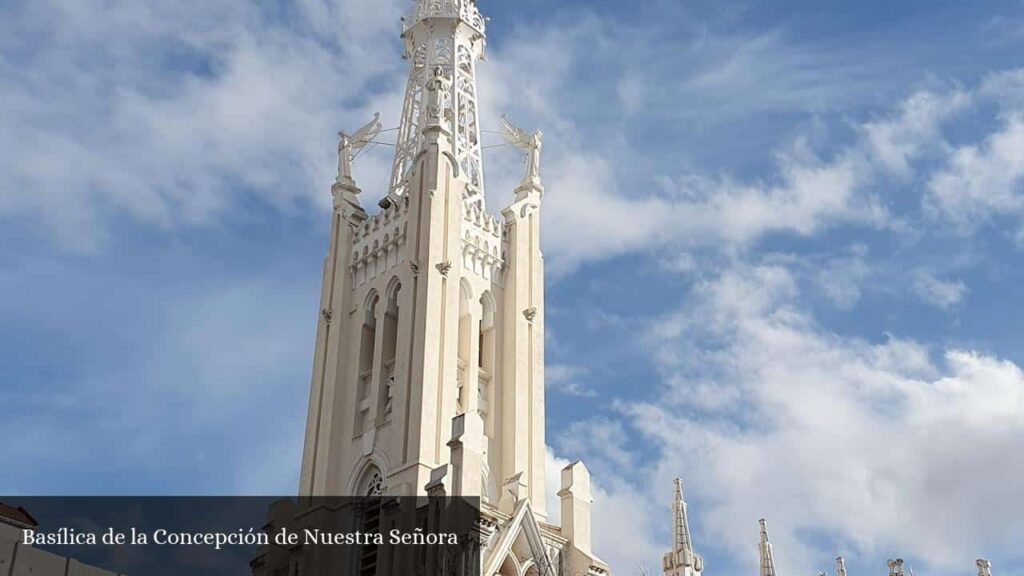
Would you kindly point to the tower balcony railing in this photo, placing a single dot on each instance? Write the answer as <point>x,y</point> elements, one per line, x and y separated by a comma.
<point>465,10</point>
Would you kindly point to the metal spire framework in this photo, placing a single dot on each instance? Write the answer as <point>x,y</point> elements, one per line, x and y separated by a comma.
<point>447,36</point>
<point>764,551</point>
<point>681,560</point>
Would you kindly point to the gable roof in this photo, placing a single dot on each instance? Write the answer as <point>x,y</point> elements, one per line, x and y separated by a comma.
<point>17,516</point>
<point>523,523</point>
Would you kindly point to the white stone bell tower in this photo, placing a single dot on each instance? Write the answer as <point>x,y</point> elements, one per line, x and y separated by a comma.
<point>428,374</point>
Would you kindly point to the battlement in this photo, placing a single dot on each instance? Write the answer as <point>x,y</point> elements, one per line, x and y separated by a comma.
<point>483,244</point>
<point>379,244</point>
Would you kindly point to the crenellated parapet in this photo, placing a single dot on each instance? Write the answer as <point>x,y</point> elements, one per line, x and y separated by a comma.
<point>379,244</point>
<point>483,244</point>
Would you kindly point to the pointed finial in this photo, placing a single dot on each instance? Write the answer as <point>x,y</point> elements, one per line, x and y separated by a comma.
<point>984,567</point>
<point>896,567</point>
<point>840,566</point>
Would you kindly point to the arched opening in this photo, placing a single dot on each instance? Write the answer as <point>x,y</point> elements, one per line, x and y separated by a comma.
<point>370,487</point>
<point>509,567</point>
<point>385,402</point>
<point>465,348</point>
<point>372,482</point>
<point>486,359</point>
<point>364,379</point>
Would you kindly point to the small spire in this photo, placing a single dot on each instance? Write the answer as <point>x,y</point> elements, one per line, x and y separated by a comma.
<point>681,560</point>
<point>764,550</point>
<point>984,567</point>
<point>840,566</point>
<point>896,567</point>
<point>681,526</point>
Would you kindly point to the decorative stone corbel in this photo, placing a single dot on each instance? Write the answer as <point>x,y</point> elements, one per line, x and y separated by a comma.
<point>327,313</point>
<point>530,314</point>
<point>444,268</point>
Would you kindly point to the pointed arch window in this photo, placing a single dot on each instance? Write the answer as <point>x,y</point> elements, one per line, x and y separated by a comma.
<point>389,354</point>
<point>486,359</point>
<point>364,379</point>
<point>373,483</point>
<point>465,349</point>
<point>371,486</point>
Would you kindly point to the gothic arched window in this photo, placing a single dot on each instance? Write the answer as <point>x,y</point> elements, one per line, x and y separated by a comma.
<point>465,350</point>
<point>370,486</point>
<point>373,483</point>
<point>486,359</point>
<point>364,379</point>
<point>389,354</point>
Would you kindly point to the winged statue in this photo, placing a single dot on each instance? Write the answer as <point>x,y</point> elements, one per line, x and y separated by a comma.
<point>530,144</point>
<point>348,144</point>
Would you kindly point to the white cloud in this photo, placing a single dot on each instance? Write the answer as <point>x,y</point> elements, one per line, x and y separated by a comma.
<point>983,181</point>
<point>895,142</point>
<point>841,278</point>
<point>595,222</point>
<point>196,111</point>
<point>937,292</point>
<point>567,379</point>
<point>871,443</point>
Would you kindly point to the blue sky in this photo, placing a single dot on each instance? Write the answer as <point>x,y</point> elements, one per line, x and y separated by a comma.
<point>784,244</point>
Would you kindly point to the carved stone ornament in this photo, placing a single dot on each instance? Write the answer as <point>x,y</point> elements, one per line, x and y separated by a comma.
<point>328,314</point>
<point>530,314</point>
<point>348,144</point>
<point>444,268</point>
<point>530,145</point>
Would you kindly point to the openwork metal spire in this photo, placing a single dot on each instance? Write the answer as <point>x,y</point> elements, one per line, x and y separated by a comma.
<point>450,36</point>
<point>764,551</point>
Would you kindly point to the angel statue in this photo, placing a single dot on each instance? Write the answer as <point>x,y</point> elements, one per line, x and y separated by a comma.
<point>530,144</point>
<point>348,144</point>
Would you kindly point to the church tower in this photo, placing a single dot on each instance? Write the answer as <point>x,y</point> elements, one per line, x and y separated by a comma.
<point>428,373</point>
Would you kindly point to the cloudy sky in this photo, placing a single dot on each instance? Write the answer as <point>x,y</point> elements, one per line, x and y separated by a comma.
<point>785,244</point>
